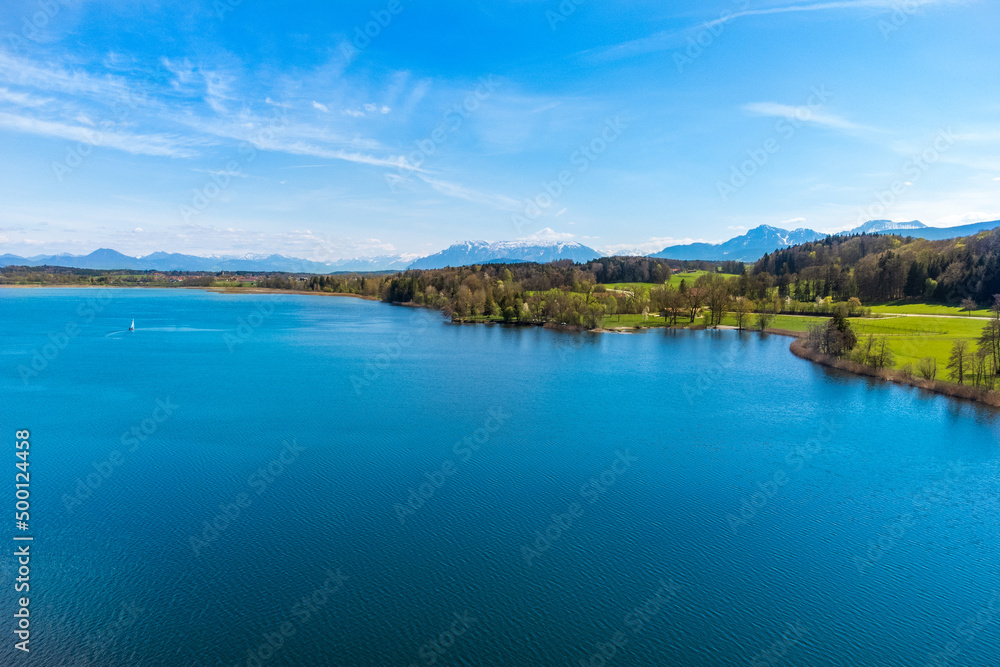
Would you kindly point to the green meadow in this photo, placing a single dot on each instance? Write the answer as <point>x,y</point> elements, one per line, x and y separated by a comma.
<point>909,308</point>
<point>912,338</point>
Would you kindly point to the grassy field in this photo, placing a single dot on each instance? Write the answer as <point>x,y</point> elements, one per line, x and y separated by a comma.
<point>675,281</point>
<point>900,307</point>
<point>912,338</point>
<point>786,322</point>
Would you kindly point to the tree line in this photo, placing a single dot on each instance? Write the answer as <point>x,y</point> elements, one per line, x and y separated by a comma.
<point>885,268</point>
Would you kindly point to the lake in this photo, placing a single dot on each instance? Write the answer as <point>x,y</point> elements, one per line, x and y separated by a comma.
<point>306,480</point>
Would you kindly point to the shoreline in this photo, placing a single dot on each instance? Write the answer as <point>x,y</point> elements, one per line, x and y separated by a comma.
<point>797,348</point>
<point>941,388</point>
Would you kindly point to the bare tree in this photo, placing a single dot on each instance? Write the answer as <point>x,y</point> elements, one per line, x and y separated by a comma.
<point>979,362</point>
<point>958,361</point>
<point>969,305</point>
<point>742,307</point>
<point>927,367</point>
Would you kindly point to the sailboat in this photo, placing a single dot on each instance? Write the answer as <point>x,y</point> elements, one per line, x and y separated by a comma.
<point>131,327</point>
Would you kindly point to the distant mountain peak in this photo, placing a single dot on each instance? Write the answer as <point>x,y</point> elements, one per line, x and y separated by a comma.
<point>524,250</point>
<point>878,226</point>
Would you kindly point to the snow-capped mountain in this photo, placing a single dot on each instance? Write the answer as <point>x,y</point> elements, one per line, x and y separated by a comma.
<point>746,248</point>
<point>482,252</point>
<point>765,239</point>
<point>883,226</point>
<point>105,258</point>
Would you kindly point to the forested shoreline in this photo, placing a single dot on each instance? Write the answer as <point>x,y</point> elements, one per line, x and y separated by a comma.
<point>837,278</point>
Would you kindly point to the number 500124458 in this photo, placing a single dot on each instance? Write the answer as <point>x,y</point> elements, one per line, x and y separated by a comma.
<point>22,480</point>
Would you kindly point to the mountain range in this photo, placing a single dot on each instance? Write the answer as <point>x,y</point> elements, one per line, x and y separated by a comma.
<point>748,247</point>
<point>765,239</point>
<point>105,258</point>
<point>482,252</point>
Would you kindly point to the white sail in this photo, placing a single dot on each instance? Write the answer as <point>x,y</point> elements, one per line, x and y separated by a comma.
<point>131,327</point>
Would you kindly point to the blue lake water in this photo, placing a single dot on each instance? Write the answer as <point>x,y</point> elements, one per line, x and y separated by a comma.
<point>474,495</point>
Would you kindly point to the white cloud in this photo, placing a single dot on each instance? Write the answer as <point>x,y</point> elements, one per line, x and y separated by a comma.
<point>664,40</point>
<point>23,99</point>
<point>320,107</point>
<point>548,234</point>
<point>353,113</point>
<point>647,247</point>
<point>137,144</point>
<point>371,107</point>
<point>20,71</point>
<point>877,5</point>
<point>802,114</point>
<point>546,107</point>
<point>460,192</point>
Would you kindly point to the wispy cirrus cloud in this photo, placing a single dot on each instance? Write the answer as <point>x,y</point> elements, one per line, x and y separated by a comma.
<point>457,191</point>
<point>23,99</point>
<point>672,39</point>
<point>803,114</point>
<point>172,127</point>
<point>59,79</point>
<point>875,6</point>
<point>136,144</point>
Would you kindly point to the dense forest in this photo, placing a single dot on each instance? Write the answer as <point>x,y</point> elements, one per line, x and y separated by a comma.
<point>886,268</point>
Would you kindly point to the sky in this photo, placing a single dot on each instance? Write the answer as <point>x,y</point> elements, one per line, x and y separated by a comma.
<point>330,130</point>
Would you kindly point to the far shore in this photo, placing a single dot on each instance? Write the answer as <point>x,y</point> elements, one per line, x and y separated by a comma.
<point>964,392</point>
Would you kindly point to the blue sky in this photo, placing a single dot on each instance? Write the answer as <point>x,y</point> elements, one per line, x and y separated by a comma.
<point>228,126</point>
